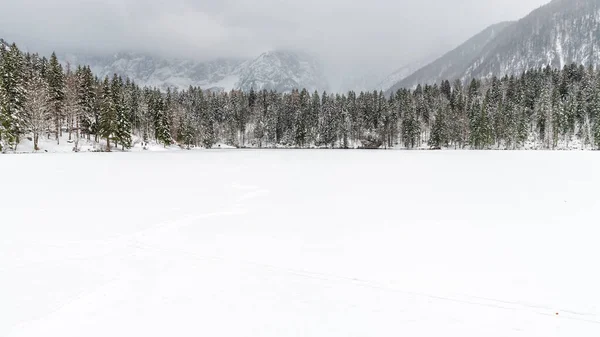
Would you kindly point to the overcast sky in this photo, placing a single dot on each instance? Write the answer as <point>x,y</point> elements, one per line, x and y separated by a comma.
<point>382,34</point>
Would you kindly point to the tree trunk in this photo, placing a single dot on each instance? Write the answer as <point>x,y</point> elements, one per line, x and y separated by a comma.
<point>77,136</point>
<point>108,143</point>
<point>70,126</point>
<point>36,137</point>
<point>57,131</point>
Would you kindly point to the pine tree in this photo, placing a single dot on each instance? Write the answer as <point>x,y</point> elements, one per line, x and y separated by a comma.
<point>338,110</point>
<point>207,127</point>
<point>354,116</point>
<point>251,100</point>
<point>594,113</point>
<point>327,134</point>
<point>480,126</point>
<point>345,127</point>
<point>107,127</point>
<point>12,96</point>
<point>411,130</point>
<point>597,135</point>
<point>56,87</point>
<point>136,107</point>
<point>545,116</point>
<point>262,113</point>
<point>158,111</point>
<point>510,115</point>
<point>123,126</point>
<point>86,102</point>
<point>494,114</point>
<point>439,132</point>
<point>186,131</point>
<point>312,120</point>
<point>301,128</point>
<point>241,117</point>
<point>385,122</point>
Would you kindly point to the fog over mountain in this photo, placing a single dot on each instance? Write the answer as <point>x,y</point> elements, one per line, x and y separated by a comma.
<point>350,39</point>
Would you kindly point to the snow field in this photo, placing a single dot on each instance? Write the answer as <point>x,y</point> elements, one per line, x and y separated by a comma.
<point>297,243</point>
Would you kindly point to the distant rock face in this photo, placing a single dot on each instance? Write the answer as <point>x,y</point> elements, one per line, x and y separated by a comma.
<point>276,70</point>
<point>559,33</point>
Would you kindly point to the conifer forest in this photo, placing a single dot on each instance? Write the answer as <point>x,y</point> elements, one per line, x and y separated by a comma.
<point>549,108</point>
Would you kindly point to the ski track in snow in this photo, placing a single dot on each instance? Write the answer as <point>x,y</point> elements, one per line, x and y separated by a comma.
<point>207,264</point>
<point>467,299</point>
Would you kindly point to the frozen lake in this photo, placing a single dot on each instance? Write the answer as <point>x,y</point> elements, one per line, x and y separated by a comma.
<point>300,243</point>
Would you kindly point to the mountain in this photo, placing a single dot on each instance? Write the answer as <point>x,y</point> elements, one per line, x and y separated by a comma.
<point>162,73</point>
<point>454,63</point>
<point>276,70</point>
<point>559,33</point>
<point>282,71</point>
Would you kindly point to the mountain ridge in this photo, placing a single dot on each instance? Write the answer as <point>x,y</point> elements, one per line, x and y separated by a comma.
<point>280,70</point>
<point>556,34</point>
<point>453,62</point>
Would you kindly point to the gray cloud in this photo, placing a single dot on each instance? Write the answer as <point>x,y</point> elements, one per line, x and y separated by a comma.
<point>377,34</point>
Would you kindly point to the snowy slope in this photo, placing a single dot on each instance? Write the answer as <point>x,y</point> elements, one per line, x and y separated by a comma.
<point>559,33</point>
<point>246,243</point>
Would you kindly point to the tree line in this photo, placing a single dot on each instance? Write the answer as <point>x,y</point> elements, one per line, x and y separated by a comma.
<point>546,107</point>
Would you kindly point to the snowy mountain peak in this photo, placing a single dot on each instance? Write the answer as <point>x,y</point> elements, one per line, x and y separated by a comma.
<point>274,70</point>
<point>163,73</point>
<point>283,71</point>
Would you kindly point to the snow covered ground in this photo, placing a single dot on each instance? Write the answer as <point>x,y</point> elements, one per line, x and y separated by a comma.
<point>300,243</point>
<point>66,145</point>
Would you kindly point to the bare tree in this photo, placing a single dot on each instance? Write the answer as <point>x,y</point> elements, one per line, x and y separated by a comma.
<point>70,105</point>
<point>37,113</point>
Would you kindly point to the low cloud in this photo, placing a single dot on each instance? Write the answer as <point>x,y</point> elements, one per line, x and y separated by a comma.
<point>375,35</point>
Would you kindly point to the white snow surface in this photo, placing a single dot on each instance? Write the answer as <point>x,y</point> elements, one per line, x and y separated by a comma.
<point>66,145</point>
<point>300,243</point>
